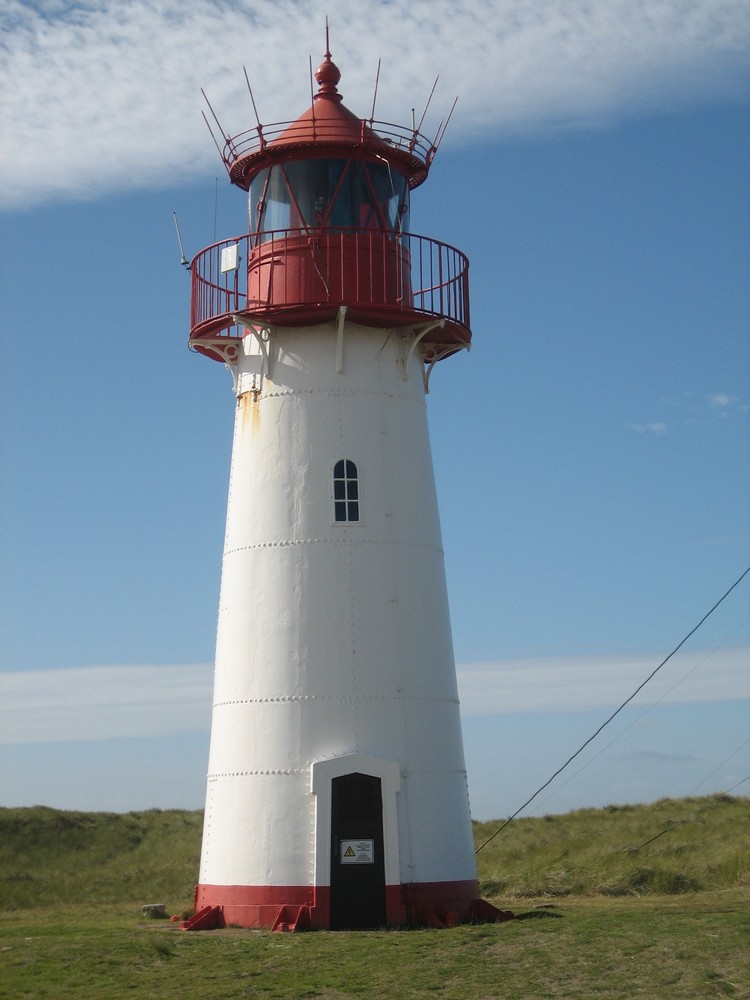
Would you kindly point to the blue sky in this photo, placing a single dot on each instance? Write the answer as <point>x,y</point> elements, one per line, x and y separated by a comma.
<point>591,450</point>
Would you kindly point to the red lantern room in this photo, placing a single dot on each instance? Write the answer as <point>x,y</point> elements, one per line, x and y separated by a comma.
<point>329,231</point>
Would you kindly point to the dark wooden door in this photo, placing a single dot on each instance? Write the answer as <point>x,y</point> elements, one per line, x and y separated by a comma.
<point>357,862</point>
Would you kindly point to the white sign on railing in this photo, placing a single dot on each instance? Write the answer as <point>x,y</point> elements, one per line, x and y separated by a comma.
<point>230,258</point>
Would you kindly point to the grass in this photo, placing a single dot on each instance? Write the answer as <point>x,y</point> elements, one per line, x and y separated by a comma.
<point>673,947</point>
<point>613,933</point>
<point>671,846</point>
<point>49,856</point>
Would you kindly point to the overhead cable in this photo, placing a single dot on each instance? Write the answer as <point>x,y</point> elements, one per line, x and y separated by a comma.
<point>616,711</point>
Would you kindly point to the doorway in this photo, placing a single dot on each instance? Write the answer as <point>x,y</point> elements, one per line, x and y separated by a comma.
<point>357,855</point>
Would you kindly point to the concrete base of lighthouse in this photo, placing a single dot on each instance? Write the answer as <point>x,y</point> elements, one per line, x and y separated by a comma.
<point>278,907</point>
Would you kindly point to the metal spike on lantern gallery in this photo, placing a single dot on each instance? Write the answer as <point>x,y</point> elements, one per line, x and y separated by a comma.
<point>337,793</point>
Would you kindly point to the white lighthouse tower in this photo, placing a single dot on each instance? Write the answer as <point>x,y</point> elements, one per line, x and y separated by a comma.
<point>337,793</point>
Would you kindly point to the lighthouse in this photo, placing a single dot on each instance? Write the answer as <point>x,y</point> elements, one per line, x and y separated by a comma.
<point>337,792</point>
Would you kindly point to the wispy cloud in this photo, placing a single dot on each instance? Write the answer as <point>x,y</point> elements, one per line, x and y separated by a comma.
<point>107,95</point>
<point>722,405</point>
<point>657,427</point>
<point>104,703</point>
<point>694,409</point>
<point>101,703</point>
<point>565,684</point>
<point>720,401</point>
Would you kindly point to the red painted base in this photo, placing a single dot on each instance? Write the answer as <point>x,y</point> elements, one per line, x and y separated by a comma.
<point>436,904</point>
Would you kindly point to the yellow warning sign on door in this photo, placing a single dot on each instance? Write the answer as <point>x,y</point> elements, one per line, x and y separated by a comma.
<point>357,852</point>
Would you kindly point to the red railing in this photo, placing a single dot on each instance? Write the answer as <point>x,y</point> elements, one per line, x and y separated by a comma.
<point>406,141</point>
<point>298,273</point>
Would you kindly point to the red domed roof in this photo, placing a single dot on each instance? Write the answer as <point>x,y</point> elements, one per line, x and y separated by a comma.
<point>328,121</point>
<point>328,129</point>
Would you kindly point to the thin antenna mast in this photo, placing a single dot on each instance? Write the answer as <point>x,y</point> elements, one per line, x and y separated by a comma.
<point>375,94</point>
<point>224,136</point>
<point>312,93</point>
<point>216,205</point>
<point>183,259</point>
<point>208,126</point>
<point>428,103</point>
<point>441,129</point>
<point>250,91</point>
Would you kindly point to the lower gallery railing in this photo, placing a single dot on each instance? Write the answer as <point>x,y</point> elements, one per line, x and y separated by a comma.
<point>292,269</point>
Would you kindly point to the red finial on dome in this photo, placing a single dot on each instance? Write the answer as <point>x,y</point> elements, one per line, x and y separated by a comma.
<point>328,75</point>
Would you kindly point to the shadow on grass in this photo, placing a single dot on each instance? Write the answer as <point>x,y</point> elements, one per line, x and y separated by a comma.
<point>541,913</point>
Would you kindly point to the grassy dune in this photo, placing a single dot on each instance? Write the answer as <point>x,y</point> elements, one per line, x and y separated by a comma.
<point>672,846</point>
<point>646,902</point>
<point>48,856</point>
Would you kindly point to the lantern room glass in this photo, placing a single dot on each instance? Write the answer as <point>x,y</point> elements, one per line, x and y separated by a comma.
<point>329,193</point>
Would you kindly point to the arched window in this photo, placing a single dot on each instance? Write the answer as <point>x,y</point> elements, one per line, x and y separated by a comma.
<point>345,492</point>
